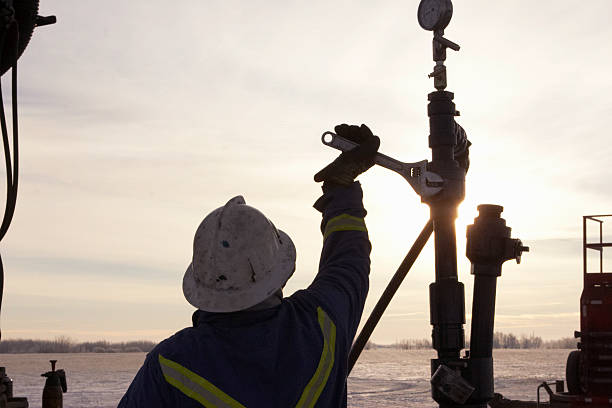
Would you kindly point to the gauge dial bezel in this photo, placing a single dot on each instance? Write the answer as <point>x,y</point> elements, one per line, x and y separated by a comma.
<point>443,10</point>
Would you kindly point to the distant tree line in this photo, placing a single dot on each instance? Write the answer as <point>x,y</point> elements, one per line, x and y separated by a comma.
<point>564,343</point>
<point>66,345</point>
<point>413,344</point>
<point>511,341</point>
<point>500,341</point>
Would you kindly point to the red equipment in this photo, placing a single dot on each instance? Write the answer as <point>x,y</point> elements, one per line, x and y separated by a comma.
<point>589,369</point>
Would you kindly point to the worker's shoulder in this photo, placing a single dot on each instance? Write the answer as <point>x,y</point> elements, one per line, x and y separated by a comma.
<point>310,303</point>
<point>301,301</point>
<point>175,345</point>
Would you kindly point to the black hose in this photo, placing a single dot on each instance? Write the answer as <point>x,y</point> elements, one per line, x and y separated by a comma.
<point>1,288</point>
<point>12,169</point>
<point>5,141</point>
<point>11,174</point>
<point>15,129</point>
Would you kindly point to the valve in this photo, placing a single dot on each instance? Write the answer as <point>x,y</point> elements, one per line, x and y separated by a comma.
<point>489,245</point>
<point>55,386</point>
<point>451,384</point>
<point>489,242</point>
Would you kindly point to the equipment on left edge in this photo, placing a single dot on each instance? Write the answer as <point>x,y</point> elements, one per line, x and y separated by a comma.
<point>18,18</point>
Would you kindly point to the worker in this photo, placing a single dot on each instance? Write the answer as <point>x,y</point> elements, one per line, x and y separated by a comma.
<point>249,346</point>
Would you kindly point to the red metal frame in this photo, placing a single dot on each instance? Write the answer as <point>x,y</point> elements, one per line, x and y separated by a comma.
<point>596,318</point>
<point>593,377</point>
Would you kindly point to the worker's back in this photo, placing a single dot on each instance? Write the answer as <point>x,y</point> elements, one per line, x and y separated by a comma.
<point>285,356</point>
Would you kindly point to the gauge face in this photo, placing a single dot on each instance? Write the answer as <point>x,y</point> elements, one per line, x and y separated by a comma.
<point>435,14</point>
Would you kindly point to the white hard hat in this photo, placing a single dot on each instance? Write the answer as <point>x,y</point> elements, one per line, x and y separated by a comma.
<point>239,259</point>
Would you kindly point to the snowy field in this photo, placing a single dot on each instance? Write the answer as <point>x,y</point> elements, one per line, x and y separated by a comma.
<point>385,378</point>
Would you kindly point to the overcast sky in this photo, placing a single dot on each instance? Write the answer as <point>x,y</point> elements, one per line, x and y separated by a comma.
<point>138,120</point>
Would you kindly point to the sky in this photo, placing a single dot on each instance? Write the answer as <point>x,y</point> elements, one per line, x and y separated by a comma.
<point>137,122</point>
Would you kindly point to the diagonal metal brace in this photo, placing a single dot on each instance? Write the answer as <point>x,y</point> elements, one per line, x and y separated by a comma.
<point>387,295</point>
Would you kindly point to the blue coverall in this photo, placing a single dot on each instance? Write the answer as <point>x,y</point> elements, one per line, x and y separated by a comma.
<point>291,355</point>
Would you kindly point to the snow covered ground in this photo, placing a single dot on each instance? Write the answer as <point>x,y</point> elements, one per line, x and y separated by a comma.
<point>385,378</point>
<point>395,378</point>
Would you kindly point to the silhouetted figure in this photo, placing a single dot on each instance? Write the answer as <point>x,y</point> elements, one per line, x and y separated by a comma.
<point>249,346</point>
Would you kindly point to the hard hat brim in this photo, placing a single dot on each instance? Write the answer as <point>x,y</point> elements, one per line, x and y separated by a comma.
<point>212,300</point>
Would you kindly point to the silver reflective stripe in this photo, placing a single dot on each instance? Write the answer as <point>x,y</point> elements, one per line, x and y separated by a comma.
<point>194,386</point>
<point>317,383</point>
<point>344,222</point>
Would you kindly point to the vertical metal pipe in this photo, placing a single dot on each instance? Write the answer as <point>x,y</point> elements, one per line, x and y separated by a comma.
<point>446,294</point>
<point>601,247</point>
<point>483,315</point>
<point>488,246</point>
<point>584,248</point>
<point>445,245</point>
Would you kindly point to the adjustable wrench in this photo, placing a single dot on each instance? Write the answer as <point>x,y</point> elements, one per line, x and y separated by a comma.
<point>425,183</point>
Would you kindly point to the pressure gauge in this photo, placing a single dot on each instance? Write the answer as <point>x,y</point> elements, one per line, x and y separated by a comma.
<point>435,14</point>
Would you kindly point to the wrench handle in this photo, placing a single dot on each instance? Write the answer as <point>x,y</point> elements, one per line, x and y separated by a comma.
<point>338,142</point>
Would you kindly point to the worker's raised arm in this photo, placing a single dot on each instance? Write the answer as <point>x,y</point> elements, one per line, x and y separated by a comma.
<point>342,280</point>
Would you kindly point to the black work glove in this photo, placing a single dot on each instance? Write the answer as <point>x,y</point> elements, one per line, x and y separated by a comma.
<point>462,148</point>
<point>352,163</point>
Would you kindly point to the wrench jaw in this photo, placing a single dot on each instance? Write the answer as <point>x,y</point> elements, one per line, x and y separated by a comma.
<point>426,184</point>
<point>432,184</point>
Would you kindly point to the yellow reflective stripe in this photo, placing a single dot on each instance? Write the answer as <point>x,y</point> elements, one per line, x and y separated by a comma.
<point>317,383</point>
<point>344,222</point>
<point>194,386</point>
